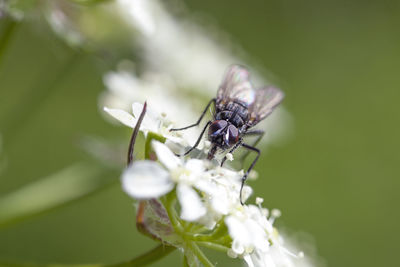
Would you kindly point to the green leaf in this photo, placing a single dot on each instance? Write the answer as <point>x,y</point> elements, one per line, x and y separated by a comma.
<point>46,194</point>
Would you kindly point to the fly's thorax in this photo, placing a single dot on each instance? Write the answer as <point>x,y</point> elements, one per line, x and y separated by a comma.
<point>235,112</point>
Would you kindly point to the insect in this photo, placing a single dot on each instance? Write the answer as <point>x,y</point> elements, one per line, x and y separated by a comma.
<point>238,107</point>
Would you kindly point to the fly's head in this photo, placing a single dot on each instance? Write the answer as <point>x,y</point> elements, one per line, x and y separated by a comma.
<point>223,134</point>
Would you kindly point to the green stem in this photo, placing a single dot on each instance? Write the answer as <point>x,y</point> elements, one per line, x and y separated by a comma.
<point>213,246</point>
<point>152,136</point>
<point>143,260</point>
<point>196,228</point>
<point>147,258</point>
<point>169,204</point>
<point>185,262</point>
<point>199,254</point>
<point>217,233</point>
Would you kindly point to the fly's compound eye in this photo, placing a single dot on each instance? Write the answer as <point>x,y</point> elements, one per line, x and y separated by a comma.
<point>232,135</point>
<point>217,127</point>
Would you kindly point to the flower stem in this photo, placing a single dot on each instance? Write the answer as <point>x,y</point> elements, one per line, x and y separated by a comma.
<point>199,254</point>
<point>169,203</point>
<point>143,260</point>
<point>185,262</point>
<point>217,233</point>
<point>213,246</point>
<point>150,137</point>
<point>151,256</point>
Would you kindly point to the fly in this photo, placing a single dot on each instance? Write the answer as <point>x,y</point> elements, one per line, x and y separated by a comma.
<point>238,107</point>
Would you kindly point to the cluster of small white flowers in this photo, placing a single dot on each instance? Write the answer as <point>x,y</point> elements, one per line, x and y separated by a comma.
<point>153,122</point>
<point>206,193</point>
<point>124,87</point>
<point>219,186</point>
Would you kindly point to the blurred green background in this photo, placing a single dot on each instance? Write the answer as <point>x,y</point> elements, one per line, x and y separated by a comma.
<point>336,180</point>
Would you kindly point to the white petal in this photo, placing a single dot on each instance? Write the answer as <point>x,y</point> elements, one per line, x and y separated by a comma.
<point>269,261</point>
<point>122,116</point>
<point>248,260</point>
<point>146,179</point>
<point>238,231</point>
<point>220,201</point>
<point>237,247</point>
<point>259,259</point>
<point>137,109</point>
<point>195,166</point>
<point>258,236</point>
<point>191,205</point>
<point>166,156</point>
<point>151,121</point>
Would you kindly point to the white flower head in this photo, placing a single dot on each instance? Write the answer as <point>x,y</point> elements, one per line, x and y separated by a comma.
<point>207,194</point>
<point>160,92</point>
<point>256,240</point>
<point>152,122</point>
<point>218,187</point>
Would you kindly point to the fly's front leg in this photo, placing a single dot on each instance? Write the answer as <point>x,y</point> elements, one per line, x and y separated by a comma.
<point>259,134</point>
<point>236,146</point>
<point>199,120</point>
<point>250,148</point>
<point>198,140</point>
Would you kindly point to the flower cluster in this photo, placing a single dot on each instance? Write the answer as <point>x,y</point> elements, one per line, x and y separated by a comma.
<point>208,196</point>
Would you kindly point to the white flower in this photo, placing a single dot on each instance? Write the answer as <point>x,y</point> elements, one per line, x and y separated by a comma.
<point>152,122</point>
<point>158,90</point>
<point>249,230</point>
<point>219,187</point>
<point>256,240</point>
<point>138,182</point>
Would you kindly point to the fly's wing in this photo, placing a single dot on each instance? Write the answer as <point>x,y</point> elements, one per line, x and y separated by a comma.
<point>236,85</point>
<point>266,101</point>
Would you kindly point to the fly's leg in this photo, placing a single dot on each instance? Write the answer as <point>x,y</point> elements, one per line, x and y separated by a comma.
<point>198,140</point>
<point>259,134</point>
<point>236,146</point>
<point>254,149</point>
<point>199,120</point>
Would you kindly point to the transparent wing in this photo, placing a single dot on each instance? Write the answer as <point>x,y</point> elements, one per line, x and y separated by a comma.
<point>236,85</point>
<point>266,100</point>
